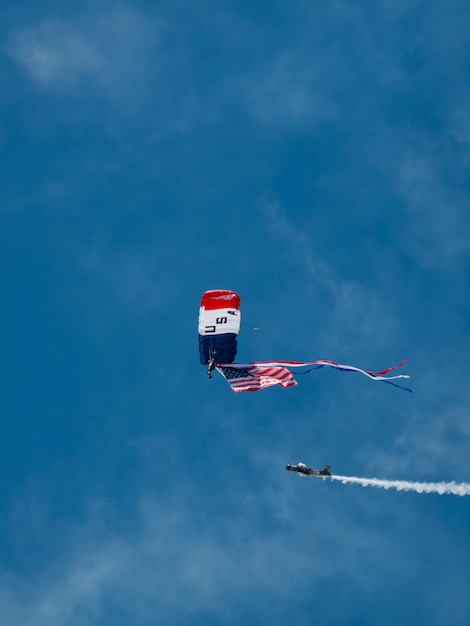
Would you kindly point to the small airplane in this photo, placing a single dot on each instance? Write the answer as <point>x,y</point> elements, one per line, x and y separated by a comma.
<point>303,470</point>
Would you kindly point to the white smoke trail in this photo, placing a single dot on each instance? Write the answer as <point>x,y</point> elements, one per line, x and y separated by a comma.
<point>457,489</point>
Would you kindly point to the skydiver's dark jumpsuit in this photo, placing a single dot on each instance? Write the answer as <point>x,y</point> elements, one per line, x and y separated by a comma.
<point>211,367</point>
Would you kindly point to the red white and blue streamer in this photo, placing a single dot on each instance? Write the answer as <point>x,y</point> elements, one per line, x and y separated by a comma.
<point>266,373</point>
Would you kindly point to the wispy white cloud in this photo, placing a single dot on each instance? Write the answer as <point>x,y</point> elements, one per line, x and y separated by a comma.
<point>54,53</point>
<point>133,276</point>
<point>460,127</point>
<point>438,219</point>
<point>182,561</point>
<point>287,93</point>
<point>99,51</point>
<point>433,443</point>
<point>70,590</point>
<point>351,305</point>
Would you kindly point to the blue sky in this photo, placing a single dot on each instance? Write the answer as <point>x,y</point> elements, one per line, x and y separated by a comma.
<point>312,157</point>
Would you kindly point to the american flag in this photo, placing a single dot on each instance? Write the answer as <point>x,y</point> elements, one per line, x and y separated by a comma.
<point>256,377</point>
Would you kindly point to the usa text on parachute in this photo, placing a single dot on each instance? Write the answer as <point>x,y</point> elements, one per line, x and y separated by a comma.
<point>219,325</point>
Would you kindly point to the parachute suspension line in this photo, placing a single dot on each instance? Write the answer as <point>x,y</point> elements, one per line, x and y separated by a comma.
<point>212,356</point>
<point>212,352</point>
<point>214,346</point>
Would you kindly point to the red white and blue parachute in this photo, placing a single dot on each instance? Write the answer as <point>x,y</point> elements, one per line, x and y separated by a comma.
<point>219,325</point>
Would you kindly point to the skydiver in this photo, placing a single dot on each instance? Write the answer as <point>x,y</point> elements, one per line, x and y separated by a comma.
<point>211,367</point>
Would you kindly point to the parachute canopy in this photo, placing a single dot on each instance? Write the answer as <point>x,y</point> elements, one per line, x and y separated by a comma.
<point>219,324</point>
